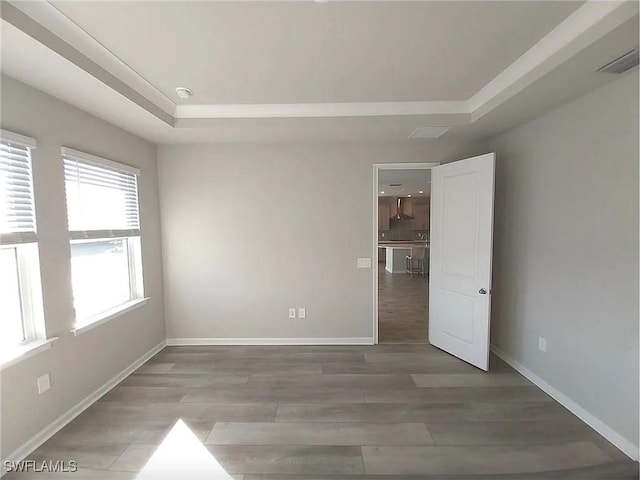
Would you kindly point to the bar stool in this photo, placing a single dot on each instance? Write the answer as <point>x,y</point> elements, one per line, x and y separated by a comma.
<point>415,259</point>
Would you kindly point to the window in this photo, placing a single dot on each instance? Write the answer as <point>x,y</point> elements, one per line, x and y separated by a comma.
<point>21,317</point>
<point>104,229</point>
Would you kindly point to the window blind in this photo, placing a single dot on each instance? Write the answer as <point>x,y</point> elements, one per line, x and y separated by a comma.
<point>102,197</point>
<point>17,212</point>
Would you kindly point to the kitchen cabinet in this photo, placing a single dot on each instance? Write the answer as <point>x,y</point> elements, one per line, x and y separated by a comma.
<point>384,212</point>
<point>421,218</point>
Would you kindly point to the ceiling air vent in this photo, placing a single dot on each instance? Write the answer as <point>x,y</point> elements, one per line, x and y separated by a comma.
<point>622,63</point>
<point>428,132</point>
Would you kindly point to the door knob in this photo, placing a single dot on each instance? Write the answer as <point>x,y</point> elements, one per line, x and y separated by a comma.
<point>482,291</point>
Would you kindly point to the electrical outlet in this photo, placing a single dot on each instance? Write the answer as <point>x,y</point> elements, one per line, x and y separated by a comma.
<point>542,344</point>
<point>44,383</point>
<point>292,313</point>
<point>302,312</point>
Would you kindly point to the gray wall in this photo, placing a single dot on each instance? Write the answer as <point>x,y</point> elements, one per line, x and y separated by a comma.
<point>249,231</point>
<point>566,250</point>
<point>77,365</point>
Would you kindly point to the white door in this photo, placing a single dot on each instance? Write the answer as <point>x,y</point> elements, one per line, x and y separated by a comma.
<point>460,264</point>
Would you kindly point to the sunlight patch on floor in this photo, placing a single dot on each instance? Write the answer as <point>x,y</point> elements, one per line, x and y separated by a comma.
<point>182,455</point>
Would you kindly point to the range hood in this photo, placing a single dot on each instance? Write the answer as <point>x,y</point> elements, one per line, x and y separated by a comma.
<point>400,215</point>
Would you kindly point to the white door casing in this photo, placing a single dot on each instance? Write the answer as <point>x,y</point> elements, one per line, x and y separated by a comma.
<point>461,253</point>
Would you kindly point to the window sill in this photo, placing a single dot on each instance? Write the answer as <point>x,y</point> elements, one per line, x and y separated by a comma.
<point>109,315</point>
<point>18,354</point>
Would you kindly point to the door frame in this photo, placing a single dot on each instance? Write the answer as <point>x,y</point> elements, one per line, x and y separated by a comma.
<point>376,169</point>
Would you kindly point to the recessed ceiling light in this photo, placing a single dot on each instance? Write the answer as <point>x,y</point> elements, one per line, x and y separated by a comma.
<point>409,196</point>
<point>420,191</point>
<point>183,92</point>
<point>382,192</point>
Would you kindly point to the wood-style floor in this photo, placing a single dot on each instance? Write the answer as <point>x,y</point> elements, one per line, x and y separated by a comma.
<point>350,412</point>
<point>403,302</point>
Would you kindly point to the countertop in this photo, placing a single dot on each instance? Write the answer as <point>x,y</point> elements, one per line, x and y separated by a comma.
<point>403,244</point>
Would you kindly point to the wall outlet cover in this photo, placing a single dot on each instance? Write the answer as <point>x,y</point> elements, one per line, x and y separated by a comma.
<point>44,383</point>
<point>542,344</point>
<point>302,312</point>
<point>292,313</point>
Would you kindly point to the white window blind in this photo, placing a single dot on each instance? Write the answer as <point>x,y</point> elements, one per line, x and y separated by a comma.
<point>17,213</point>
<point>102,197</point>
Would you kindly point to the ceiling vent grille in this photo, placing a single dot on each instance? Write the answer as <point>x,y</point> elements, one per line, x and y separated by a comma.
<point>428,132</point>
<point>622,63</point>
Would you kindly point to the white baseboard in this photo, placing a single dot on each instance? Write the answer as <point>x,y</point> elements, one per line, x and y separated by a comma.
<point>594,422</point>
<point>271,341</point>
<point>46,433</point>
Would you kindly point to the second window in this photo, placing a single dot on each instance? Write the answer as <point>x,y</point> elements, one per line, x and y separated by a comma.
<point>104,229</point>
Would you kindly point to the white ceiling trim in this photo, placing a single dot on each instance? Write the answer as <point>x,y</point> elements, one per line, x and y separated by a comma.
<point>588,23</point>
<point>62,26</point>
<point>307,110</point>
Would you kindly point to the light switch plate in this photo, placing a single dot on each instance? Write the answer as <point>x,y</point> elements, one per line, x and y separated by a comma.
<point>364,263</point>
<point>44,383</point>
<point>292,313</point>
<point>302,312</point>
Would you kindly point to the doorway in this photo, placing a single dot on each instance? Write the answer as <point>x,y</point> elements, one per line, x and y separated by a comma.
<point>401,240</point>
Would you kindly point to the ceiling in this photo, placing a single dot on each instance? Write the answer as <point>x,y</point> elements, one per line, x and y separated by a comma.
<point>308,52</point>
<point>401,183</point>
<point>307,71</point>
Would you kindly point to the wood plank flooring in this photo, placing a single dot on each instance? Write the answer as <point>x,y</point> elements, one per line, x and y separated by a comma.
<point>337,412</point>
<point>403,303</point>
